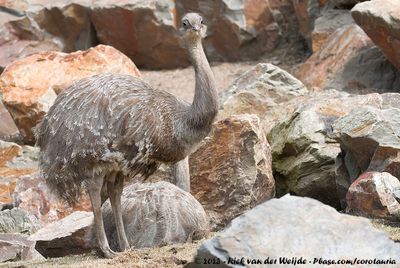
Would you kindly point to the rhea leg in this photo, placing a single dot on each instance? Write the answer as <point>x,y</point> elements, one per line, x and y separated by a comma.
<point>95,185</point>
<point>114,188</point>
<point>180,172</point>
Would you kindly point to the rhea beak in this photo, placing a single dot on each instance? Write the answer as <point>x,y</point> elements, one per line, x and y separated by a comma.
<point>196,27</point>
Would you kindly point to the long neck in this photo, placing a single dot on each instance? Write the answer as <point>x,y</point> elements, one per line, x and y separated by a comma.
<point>205,102</point>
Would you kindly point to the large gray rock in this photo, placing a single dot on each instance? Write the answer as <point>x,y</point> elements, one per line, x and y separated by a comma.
<point>16,247</point>
<point>156,214</point>
<point>303,150</point>
<point>296,227</point>
<point>18,221</point>
<point>369,141</point>
<point>259,90</point>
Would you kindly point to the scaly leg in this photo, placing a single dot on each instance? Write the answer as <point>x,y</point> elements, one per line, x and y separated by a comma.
<point>180,172</point>
<point>94,187</point>
<point>114,192</point>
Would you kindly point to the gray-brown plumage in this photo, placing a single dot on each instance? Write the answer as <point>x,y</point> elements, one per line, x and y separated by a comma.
<point>109,127</point>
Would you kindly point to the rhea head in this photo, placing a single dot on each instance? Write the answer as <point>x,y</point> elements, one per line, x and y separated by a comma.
<point>193,28</point>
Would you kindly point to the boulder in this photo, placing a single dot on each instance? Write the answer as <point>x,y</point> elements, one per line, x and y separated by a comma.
<point>156,214</point>
<point>373,195</point>
<point>380,19</point>
<point>303,149</point>
<point>259,90</point>
<point>231,170</point>
<point>15,161</point>
<point>71,235</point>
<point>348,60</point>
<point>326,24</point>
<point>307,11</point>
<point>16,247</point>
<point>17,220</point>
<point>29,85</point>
<point>369,141</point>
<point>289,231</point>
<point>142,30</point>
<point>8,129</point>
<point>33,195</point>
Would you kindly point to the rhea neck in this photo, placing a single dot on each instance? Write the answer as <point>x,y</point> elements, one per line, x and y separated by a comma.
<point>204,107</point>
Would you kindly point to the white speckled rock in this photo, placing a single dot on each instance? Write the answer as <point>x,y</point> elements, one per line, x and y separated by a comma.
<point>297,227</point>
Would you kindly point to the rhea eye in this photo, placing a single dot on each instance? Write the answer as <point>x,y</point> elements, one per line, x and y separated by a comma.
<point>185,23</point>
<point>201,21</point>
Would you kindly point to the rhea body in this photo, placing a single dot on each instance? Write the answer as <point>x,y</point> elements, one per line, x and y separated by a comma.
<point>107,128</point>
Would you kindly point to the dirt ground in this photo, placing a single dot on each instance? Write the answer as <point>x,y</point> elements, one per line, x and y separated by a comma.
<point>164,257</point>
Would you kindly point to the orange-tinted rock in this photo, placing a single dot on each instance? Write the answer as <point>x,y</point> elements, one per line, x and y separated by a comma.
<point>380,19</point>
<point>15,161</point>
<point>307,11</point>
<point>372,195</point>
<point>328,23</point>
<point>8,129</point>
<point>29,85</point>
<point>349,60</point>
<point>231,171</point>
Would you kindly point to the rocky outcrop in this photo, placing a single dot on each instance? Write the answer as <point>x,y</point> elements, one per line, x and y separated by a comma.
<point>259,90</point>
<point>29,85</point>
<point>16,247</point>
<point>146,31</point>
<point>8,129</point>
<point>303,150</point>
<point>349,60</point>
<point>18,221</point>
<point>156,214</point>
<point>231,170</point>
<point>373,195</point>
<point>380,19</point>
<point>71,235</point>
<point>303,222</point>
<point>369,141</point>
<point>326,24</point>
<point>307,11</point>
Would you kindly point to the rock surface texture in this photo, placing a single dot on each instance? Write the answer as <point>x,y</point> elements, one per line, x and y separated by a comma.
<point>305,223</point>
<point>29,86</point>
<point>369,141</point>
<point>18,221</point>
<point>156,214</point>
<point>373,195</point>
<point>231,170</point>
<point>8,129</point>
<point>71,235</point>
<point>259,90</point>
<point>348,60</point>
<point>380,19</point>
<point>16,247</point>
<point>304,150</point>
